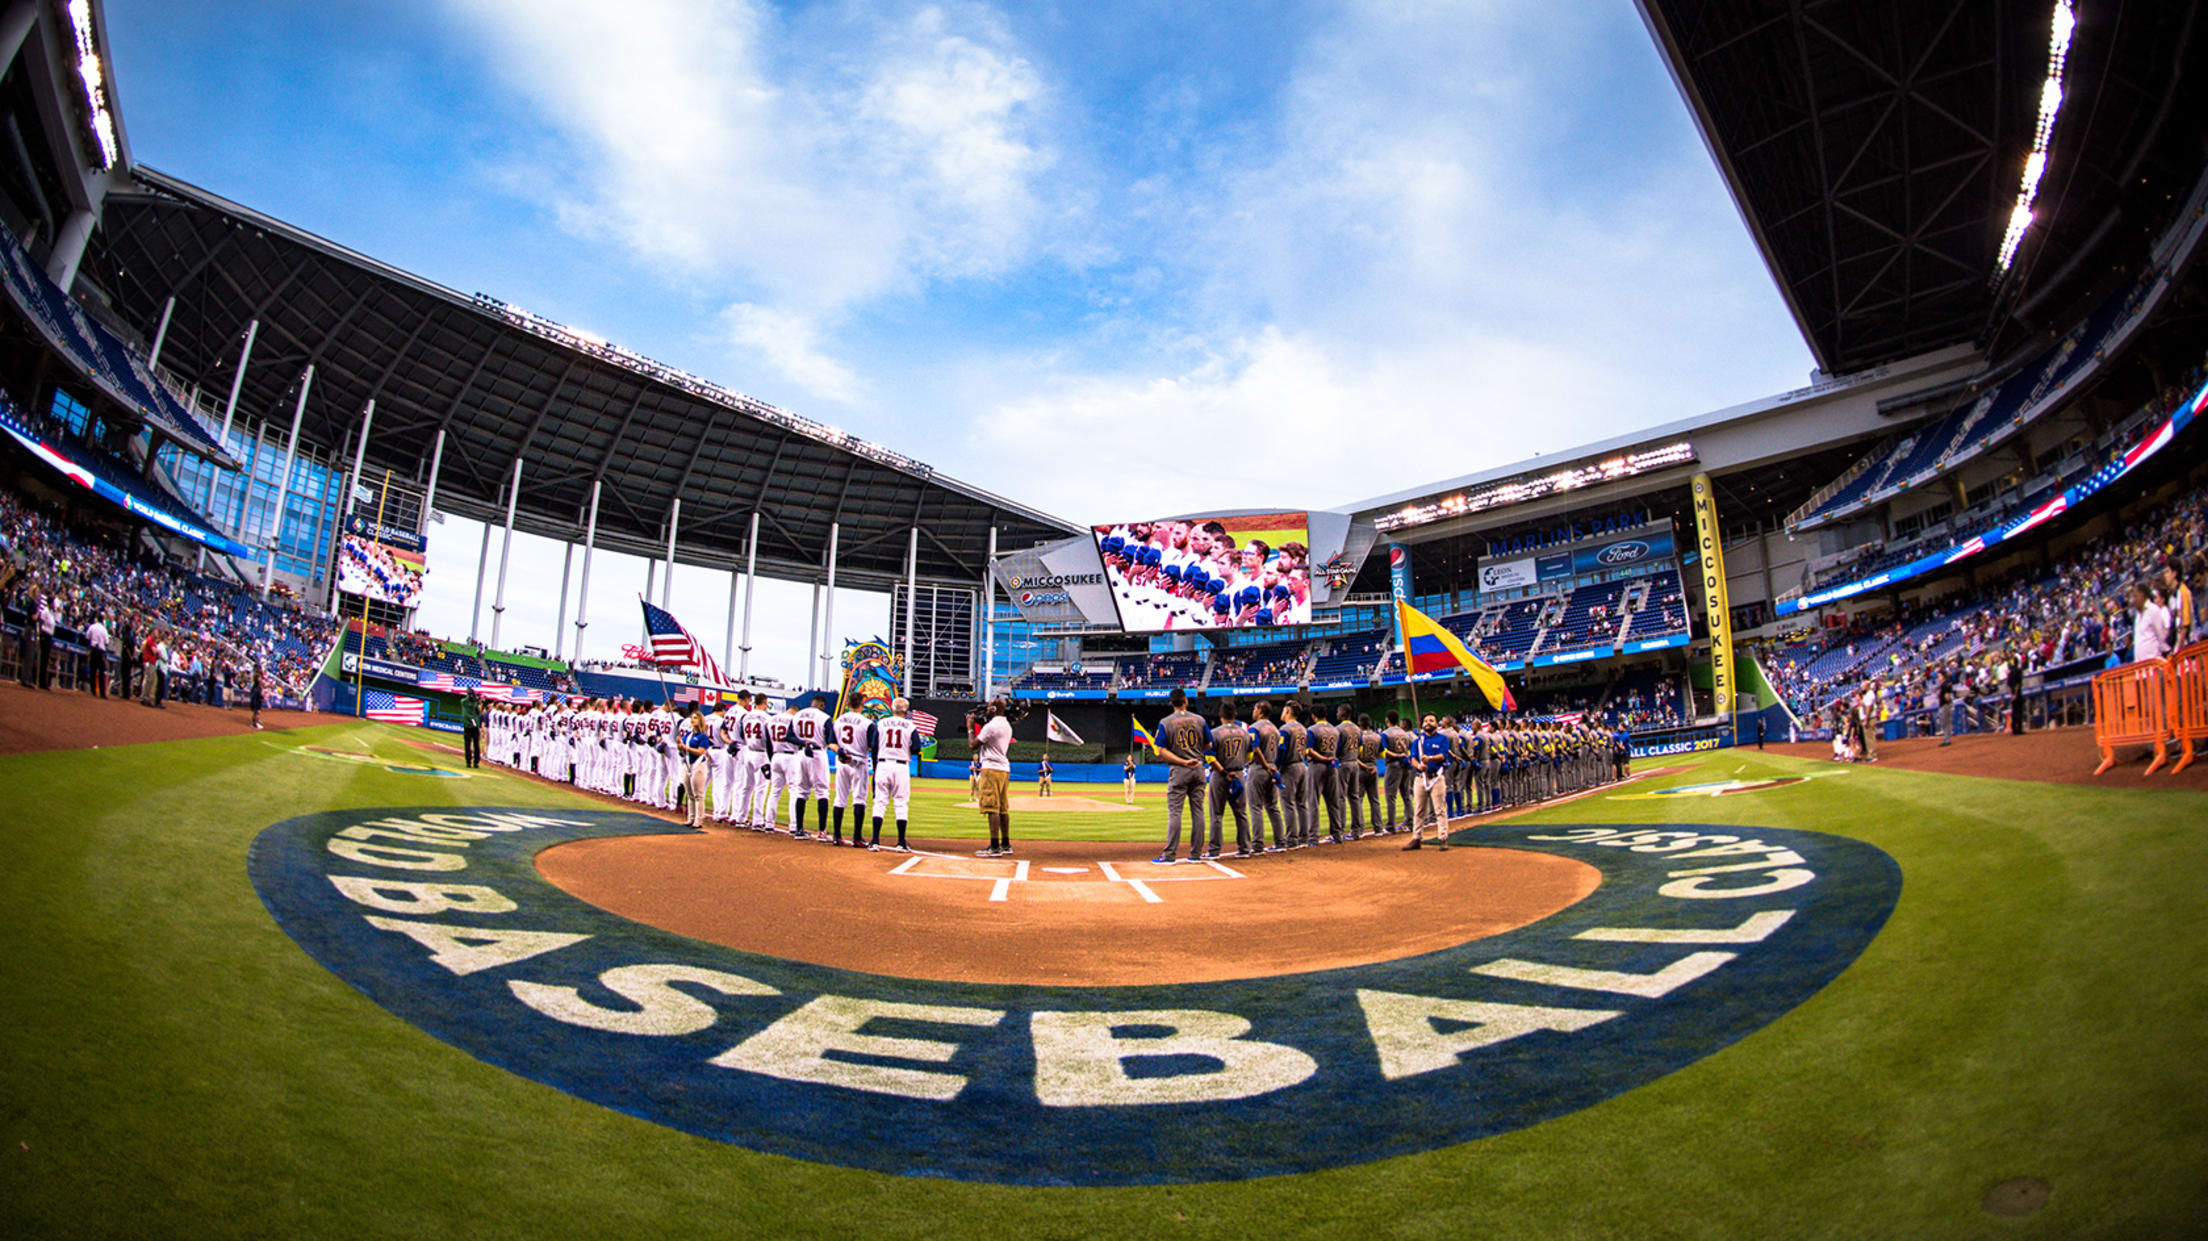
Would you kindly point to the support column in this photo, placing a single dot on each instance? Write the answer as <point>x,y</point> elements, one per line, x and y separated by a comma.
<point>360,456</point>
<point>283,483</point>
<point>812,639</point>
<point>559,627</point>
<point>482,569</point>
<point>651,576</point>
<point>989,620</point>
<point>161,334</point>
<point>667,584</point>
<point>913,586</point>
<point>728,638</point>
<point>68,248</point>
<point>15,25</point>
<point>831,656</point>
<point>751,579</point>
<point>582,592</point>
<point>505,549</point>
<point>230,410</point>
<point>436,462</point>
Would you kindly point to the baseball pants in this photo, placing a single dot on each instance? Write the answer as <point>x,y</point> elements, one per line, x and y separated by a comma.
<point>893,788</point>
<point>851,782</point>
<point>1181,787</point>
<point>1398,790</point>
<point>787,775</point>
<point>1307,801</point>
<point>1368,789</point>
<point>1230,791</point>
<point>1331,780</point>
<point>1264,803</point>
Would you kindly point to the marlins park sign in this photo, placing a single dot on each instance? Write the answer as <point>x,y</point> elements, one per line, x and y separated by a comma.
<point>1695,937</point>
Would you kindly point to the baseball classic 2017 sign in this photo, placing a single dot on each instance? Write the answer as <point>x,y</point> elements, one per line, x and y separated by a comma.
<point>1694,937</point>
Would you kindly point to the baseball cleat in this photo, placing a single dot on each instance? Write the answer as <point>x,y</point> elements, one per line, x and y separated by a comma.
<point>1165,860</point>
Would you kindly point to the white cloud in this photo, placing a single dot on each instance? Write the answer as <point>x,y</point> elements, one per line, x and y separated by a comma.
<point>719,142</point>
<point>790,343</point>
<point>1426,266</point>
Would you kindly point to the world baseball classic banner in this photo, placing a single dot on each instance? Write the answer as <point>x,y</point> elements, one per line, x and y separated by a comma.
<point>1715,603</point>
<point>1686,940</point>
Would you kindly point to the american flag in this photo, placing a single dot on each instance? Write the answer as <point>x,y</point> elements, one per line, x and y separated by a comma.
<point>446,681</point>
<point>513,693</point>
<point>391,708</point>
<point>924,723</point>
<point>674,646</point>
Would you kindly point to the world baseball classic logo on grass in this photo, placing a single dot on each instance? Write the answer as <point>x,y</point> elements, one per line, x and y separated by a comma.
<point>1694,938</point>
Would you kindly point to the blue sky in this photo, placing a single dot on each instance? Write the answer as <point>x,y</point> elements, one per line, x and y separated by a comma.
<point>1277,254</point>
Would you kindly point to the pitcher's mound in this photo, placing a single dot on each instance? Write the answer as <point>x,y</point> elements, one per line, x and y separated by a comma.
<point>1029,803</point>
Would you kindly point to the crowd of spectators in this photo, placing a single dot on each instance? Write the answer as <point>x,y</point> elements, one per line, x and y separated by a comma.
<point>201,638</point>
<point>2131,594</point>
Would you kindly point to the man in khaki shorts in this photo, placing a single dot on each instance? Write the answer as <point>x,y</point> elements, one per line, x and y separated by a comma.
<point>993,785</point>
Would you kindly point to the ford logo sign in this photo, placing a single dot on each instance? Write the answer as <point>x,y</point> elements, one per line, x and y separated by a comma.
<point>1622,553</point>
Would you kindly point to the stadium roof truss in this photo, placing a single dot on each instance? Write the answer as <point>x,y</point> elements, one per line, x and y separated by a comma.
<point>501,384</point>
<point>1876,148</point>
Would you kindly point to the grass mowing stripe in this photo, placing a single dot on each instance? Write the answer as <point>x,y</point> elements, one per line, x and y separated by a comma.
<point>178,1068</point>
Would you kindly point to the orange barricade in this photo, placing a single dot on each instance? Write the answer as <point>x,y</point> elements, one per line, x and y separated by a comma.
<point>2188,700</point>
<point>2131,707</point>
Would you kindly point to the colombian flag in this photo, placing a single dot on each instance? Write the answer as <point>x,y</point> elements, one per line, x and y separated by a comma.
<point>1427,647</point>
<point>1142,735</point>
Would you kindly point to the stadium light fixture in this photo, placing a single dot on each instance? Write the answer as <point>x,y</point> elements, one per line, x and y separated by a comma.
<point>1524,488</point>
<point>94,76</point>
<point>2062,25</point>
<point>629,359</point>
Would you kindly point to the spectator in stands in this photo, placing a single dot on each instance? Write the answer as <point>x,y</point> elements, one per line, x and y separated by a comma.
<point>2180,597</point>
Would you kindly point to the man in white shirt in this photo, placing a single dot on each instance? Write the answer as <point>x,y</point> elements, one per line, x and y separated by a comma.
<point>2150,625</point>
<point>993,796</point>
<point>95,638</point>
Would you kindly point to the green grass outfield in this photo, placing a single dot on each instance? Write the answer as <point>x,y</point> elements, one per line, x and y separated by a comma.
<point>173,1066</point>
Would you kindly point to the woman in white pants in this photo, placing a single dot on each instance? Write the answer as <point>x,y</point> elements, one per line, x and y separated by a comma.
<point>695,747</point>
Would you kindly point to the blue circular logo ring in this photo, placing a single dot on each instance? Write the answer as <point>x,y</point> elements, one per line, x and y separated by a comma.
<point>1696,937</point>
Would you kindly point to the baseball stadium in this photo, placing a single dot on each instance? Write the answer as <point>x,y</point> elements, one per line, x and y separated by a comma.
<point>1779,821</point>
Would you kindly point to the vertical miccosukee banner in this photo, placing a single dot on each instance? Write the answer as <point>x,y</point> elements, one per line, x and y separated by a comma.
<point>1713,598</point>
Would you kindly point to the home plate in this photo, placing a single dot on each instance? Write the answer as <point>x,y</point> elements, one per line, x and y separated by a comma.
<point>1064,870</point>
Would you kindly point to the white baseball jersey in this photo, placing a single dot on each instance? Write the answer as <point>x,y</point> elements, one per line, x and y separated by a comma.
<point>895,737</point>
<point>849,731</point>
<point>811,727</point>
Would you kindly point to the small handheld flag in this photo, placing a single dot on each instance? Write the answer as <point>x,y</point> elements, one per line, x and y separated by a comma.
<point>1428,647</point>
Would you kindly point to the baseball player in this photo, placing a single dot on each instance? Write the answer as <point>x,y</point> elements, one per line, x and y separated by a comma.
<point>1348,746</point>
<point>1230,751</point>
<point>1327,795</point>
<point>756,783</point>
<point>1297,777</point>
<point>787,757</point>
<point>1396,748</point>
<point>1182,738</point>
<point>810,724</point>
<point>891,740</point>
<point>853,751</point>
<point>1264,774</point>
<point>1370,745</point>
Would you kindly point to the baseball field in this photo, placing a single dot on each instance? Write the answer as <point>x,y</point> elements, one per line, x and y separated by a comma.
<point>319,982</point>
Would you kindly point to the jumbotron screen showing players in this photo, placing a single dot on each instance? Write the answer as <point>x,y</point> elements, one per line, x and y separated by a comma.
<point>1242,572</point>
<point>379,571</point>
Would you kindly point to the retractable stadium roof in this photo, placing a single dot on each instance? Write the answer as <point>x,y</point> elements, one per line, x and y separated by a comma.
<point>501,384</point>
<point>1876,148</point>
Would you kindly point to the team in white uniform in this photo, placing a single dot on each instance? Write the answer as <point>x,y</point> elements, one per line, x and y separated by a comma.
<point>761,755</point>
